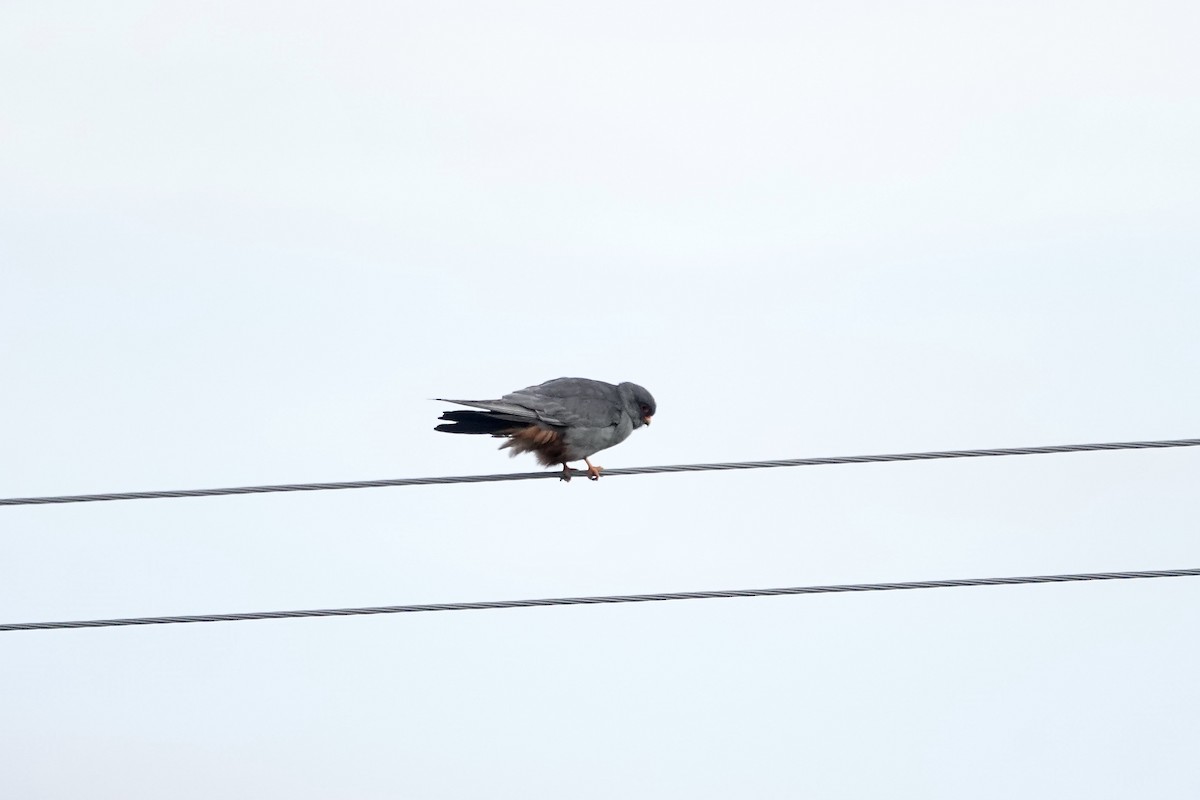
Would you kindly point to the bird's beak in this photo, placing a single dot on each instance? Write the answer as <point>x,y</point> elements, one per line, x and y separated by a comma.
<point>646,420</point>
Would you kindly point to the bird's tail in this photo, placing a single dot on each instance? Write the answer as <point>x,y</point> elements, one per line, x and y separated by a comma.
<point>477,422</point>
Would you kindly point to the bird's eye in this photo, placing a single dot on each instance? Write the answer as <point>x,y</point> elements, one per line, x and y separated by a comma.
<point>645,410</point>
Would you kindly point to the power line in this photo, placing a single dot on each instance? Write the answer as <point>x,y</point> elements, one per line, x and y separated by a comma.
<point>524,476</point>
<point>602,600</point>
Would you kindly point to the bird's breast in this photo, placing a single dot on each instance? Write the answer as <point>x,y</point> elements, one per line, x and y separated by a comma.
<point>583,442</point>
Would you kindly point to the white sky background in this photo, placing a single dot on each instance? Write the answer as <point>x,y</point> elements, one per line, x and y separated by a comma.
<point>245,243</point>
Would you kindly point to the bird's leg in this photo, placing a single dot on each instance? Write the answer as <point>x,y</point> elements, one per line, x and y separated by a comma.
<point>566,473</point>
<point>593,470</point>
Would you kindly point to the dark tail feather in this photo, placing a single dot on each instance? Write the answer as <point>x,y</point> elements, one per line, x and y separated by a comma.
<point>475,422</point>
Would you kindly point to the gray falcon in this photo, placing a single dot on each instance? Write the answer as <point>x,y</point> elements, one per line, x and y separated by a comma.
<point>566,419</point>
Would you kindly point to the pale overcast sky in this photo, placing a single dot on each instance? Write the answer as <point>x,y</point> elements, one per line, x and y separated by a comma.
<point>246,242</point>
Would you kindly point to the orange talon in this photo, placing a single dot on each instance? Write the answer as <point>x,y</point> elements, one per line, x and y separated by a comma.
<point>593,470</point>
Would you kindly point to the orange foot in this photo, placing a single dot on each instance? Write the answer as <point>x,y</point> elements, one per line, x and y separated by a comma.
<point>593,471</point>
<point>566,473</point>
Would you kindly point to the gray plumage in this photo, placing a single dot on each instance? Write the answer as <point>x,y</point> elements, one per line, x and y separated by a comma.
<point>567,419</point>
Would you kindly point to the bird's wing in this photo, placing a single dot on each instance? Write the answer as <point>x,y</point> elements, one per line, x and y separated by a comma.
<point>501,408</point>
<point>570,402</point>
<point>563,402</point>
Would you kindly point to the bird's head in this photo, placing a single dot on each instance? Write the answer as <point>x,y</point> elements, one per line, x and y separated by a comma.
<point>639,403</point>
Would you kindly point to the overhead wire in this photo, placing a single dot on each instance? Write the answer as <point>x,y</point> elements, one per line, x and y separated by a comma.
<point>601,600</point>
<point>608,473</point>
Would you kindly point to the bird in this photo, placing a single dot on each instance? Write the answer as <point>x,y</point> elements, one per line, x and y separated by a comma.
<point>559,421</point>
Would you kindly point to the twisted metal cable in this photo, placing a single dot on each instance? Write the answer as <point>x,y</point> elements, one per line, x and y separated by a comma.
<point>524,476</point>
<point>601,600</point>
